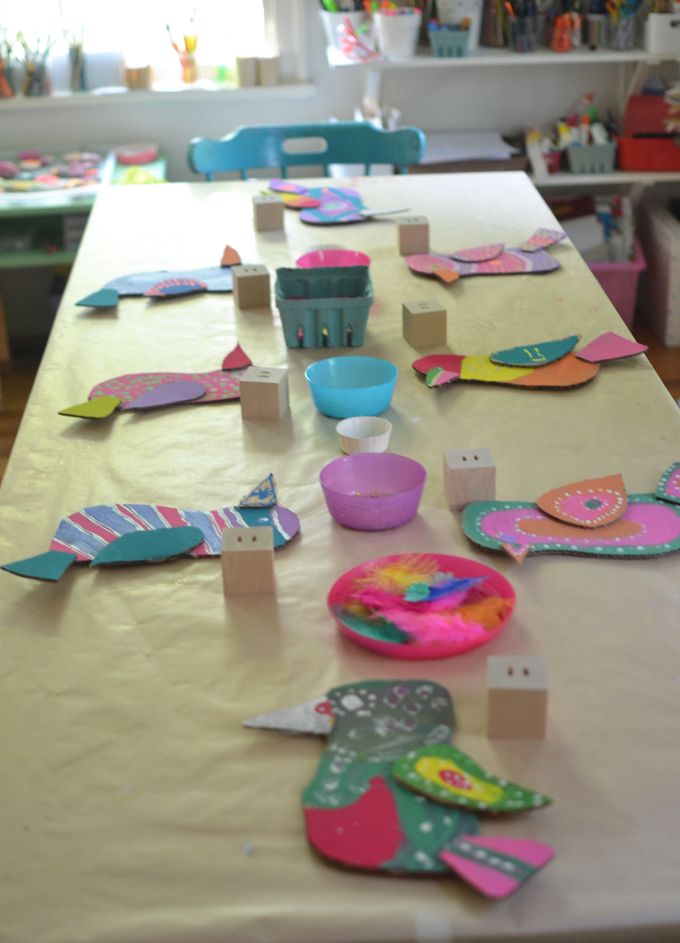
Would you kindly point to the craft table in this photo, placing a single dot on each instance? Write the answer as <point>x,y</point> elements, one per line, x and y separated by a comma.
<point>135,807</point>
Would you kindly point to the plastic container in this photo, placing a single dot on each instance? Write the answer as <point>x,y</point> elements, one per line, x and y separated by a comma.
<point>364,434</point>
<point>372,491</point>
<point>449,43</point>
<point>494,585</point>
<point>397,33</point>
<point>332,258</point>
<point>351,386</point>
<point>592,158</point>
<point>648,154</point>
<point>662,33</point>
<point>453,12</point>
<point>621,32</point>
<point>523,33</point>
<point>324,307</point>
<point>620,281</point>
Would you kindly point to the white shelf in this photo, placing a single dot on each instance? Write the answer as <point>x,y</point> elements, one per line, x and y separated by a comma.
<point>645,178</point>
<point>497,57</point>
<point>170,94</point>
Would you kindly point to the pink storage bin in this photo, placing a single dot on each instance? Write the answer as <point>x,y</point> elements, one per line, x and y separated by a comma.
<point>620,281</point>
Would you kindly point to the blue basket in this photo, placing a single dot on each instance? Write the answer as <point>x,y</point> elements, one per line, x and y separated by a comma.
<point>324,307</point>
<point>449,43</point>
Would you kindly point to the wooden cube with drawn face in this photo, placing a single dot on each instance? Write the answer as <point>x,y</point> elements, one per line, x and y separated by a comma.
<point>248,561</point>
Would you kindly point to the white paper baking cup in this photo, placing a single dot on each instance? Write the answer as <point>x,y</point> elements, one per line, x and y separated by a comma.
<point>364,434</point>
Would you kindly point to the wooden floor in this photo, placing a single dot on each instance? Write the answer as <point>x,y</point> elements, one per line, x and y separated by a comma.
<point>17,381</point>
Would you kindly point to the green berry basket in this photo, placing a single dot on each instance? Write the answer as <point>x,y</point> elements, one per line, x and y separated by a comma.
<point>592,158</point>
<point>324,307</point>
<point>449,43</point>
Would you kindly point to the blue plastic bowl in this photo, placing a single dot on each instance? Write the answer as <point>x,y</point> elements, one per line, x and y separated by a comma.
<point>351,386</point>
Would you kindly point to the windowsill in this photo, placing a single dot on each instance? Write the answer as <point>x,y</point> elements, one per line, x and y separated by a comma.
<point>161,92</point>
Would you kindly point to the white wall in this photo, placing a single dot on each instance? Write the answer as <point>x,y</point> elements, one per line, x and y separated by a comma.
<point>506,98</point>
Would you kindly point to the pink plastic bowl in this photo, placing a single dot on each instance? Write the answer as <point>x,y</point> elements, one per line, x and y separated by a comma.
<point>371,490</point>
<point>494,585</point>
<point>324,258</point>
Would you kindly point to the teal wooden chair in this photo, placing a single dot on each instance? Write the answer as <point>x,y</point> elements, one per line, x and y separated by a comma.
<point>287,146</point>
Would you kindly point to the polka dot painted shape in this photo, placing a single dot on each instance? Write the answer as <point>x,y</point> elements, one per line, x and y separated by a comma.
<point>445,774</point>
<point>593,502</point>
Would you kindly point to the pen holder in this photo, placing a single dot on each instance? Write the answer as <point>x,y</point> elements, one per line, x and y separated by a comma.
<point>523,33</point>
<point>621,32</point>
<point>397,33</point>
<point>449,43</point>
<point>596,30</point>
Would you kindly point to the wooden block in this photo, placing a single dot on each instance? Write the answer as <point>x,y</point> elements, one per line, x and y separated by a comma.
<point>248,561</point>
<point>251,286</point>
<point>267,213</point>
<point>264,393</point>
<point>517,692</point>
<point>423,323</point>
<point>268,70</point>
<point>246,71</point>
<point>469,475</point>
<point>414,234</point>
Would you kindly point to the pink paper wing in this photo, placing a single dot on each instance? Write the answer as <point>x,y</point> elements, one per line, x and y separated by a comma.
<point>479,253</point>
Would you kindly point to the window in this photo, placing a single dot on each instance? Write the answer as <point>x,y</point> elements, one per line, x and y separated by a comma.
<point>138,33</point>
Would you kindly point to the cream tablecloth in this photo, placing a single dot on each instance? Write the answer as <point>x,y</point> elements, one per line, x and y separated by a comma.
<point>135,808</point>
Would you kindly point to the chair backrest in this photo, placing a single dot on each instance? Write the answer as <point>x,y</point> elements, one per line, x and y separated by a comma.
<point>285,146</point>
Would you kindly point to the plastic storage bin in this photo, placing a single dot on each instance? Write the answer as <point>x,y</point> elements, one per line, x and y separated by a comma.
<point>620,281</point>
<point>648,154</point>
<point>592,158</point>
<point>662,33</point>
<point>324,307</point>
<point>449,43</point>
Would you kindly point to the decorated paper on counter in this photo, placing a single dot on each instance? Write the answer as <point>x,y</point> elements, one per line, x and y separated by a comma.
<point>669,485</point>
<point>86,533</point>
<point>311,717</point>
<point>486,260</point>
<point>166,394</point>
<point>443,369</point>
<point>327,206</point>
<point>421,605</point>
<point>166,283</point>
<point>536,355</point>
<point>146,390</point>
<point>447,775</point>
<point>649,526</point>
<point>610,346</point>
<point>358,815</point>
<point>496,866</point>
<point>263,494</point>
<point>549,365</point>
<point>543,239</point>
<point>594,502</point>
<point>149,546</point>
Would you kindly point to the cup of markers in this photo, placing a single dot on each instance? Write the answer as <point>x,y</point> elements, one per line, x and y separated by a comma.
<point>396,29</point>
